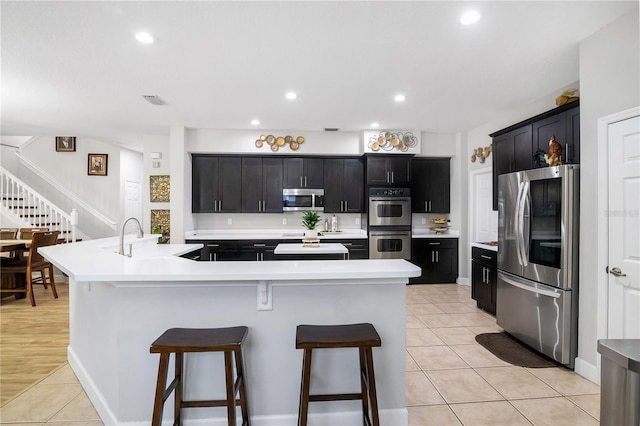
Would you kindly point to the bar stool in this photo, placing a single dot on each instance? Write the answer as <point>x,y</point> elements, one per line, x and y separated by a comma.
<point>182,340</point>
<point>361,336</point>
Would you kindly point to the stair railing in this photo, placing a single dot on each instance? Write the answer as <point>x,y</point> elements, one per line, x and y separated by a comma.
<point>67,192</point>
<point>27,206</point>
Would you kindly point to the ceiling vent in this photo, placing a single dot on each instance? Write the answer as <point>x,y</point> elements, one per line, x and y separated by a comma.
<point>154,99</point>
<point>330,129</point>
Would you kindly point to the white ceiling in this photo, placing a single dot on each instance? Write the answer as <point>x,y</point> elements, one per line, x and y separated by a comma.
<point>74,68</point>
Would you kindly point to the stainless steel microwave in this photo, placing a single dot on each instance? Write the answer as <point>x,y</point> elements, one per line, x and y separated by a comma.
<point>302,199</point>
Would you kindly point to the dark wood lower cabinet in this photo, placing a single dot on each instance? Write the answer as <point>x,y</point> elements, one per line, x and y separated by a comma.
<point>262,250</point>
<point>438,258</point>
<point>484,278</point>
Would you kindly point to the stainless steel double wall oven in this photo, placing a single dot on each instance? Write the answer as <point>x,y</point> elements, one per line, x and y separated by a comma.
<point>389,223</point>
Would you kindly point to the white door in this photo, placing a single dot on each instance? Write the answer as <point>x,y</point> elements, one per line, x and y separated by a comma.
<point>485,220</point>
<point>132,203</point>
<point>624,229</point>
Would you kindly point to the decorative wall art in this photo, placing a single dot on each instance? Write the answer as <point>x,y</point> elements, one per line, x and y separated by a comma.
<point>65,143</point>
<point>389,141</point>
<point>481,153</point>
<point>162,219</point>
<point>160,188</point>
<point>277,142</point>
<point>97,164</point>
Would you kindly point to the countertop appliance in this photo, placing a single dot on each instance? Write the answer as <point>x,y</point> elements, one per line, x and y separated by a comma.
<point>538,223</point>
<point>302,199</point>
<point>389,223</point>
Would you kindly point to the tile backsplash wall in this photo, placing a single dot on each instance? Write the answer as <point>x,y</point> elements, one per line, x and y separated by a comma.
<point>288,220</point>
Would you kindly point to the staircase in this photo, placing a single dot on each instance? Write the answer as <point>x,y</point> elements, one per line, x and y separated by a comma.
<point>32,210</point>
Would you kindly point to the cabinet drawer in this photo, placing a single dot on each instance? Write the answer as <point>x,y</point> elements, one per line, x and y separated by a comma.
<point>488,257</point>
<point>440,243</point>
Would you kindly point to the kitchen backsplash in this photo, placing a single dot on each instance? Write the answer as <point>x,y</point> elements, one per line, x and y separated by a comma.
<point>273,220</point>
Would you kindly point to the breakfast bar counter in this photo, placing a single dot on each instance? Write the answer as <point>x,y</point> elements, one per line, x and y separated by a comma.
<point>119,305</point>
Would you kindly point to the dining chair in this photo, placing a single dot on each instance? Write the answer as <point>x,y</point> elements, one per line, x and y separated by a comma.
<point>25,233</point>
<point>8,234</point>
<point>34,263</point>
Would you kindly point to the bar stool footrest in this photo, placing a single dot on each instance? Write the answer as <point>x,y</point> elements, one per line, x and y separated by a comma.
<point>336,397</point>
<point>207,403</point>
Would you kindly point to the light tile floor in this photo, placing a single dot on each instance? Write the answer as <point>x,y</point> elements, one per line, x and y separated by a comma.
<point>450,379</point>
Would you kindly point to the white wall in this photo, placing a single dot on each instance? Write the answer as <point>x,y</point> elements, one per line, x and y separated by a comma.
<point>70,169</point>
<point>609,70</point>
<point>159,144</point>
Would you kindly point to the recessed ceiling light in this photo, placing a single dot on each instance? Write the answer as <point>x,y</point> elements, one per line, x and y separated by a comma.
<point>291,95</point>
<point>144,37</point>
<point>375,124</point>
<point>399,98</point>
<point>470,17</point>
<point>255,122</point>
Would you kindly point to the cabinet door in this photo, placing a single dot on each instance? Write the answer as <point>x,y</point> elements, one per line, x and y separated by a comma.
<point>377,171</point>
<point>440,188</point>
<point>314,173</point>
<point>480,290</point>
<point>572,150</point>
<point>333,185</point>
<point>511,152</point>
<point>251,184</point>
<point>230,184</point>
<point>420,256</point>
<point>353,185</point>
<point>292,173</point>
<point>272,185</point>
<point>430,185</point>
<point>445,265</point>
<point>544,130</point>
<point>522,149</point>
<point>204,180</point>
<point>400,170</point>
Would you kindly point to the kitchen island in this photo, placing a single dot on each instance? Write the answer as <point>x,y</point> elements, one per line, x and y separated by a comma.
<point>119,305</point>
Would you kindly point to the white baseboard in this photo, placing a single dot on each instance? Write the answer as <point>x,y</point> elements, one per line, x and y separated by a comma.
<point>587,370</point>
<point>463,281</point>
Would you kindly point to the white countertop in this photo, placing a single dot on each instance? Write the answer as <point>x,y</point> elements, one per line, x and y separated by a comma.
<point>271,234</point>
<point>427,233</point>
<point>485,246</point>
<point>97,260</point>
<point>324,248</point>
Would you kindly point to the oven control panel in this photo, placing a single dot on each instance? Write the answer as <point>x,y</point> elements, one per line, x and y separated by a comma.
<point>390,192</point>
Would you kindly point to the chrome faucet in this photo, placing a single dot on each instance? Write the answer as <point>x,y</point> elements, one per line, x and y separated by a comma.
<point>139,232</point>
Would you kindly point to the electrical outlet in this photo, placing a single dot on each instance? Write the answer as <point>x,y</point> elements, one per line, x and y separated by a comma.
<point>229,221</point>
<point>423,221</point>
<point>284,220</point>
<point>357,221</point>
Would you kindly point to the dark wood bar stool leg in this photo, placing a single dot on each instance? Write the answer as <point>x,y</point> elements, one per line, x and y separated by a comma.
<point>371,380</point>
<point>241,391</point>
<point>177,402</point>
<point>364,386</point>
<point>231,400</point>
<point>158,403</point>
<point>304,388</point>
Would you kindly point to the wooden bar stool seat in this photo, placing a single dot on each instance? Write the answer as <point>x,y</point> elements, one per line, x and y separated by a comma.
<point>361,336</point>
<point>183,340</point>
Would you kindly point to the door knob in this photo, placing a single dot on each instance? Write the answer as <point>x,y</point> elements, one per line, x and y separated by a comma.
<point>616,272</point>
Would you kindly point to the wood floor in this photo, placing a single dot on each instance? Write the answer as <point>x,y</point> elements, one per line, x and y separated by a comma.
<point>33,340</point>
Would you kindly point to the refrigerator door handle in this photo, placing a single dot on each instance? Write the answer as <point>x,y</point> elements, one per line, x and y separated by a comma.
<point>526,223</point>
<point>522,197</point>
<point>528,288</point>
<point>516,222</point>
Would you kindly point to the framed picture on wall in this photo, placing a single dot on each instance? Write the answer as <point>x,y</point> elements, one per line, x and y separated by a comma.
<point>97,164</point>
<point>65,143</point>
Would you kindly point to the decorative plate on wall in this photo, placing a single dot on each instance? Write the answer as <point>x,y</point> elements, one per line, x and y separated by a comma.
<point>160,188</point>
<point>162,219</point>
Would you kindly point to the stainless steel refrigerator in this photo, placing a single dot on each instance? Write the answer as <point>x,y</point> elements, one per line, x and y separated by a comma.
<point>538,229</point>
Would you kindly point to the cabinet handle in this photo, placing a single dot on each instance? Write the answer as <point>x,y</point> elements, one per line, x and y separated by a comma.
<point>215,257</point>
<point>426,209</point>
<point>346,206</point>
<point>393,177</point>
<point>486,257</point>
<point>210,257</point>
<point>433,257</point>
<point>219,205</point>
<point>567,148</point>
<point>259,245</point>
<point>488,275</point>
<point>484,275</point>
<point>434,244</point>
<point>305,181</point>
<point>437,257</point>
<point>347,244</point>
<point>430,206</point>
<point>388,177</point>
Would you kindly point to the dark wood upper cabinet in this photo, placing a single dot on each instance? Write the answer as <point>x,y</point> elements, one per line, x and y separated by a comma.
<point>261,185</point>
<point>303,172</point>
<point>216,184</point>
<point>388,170</point>
<point>431,185</point>
<point>343,185</point>
<point>522,146</point>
